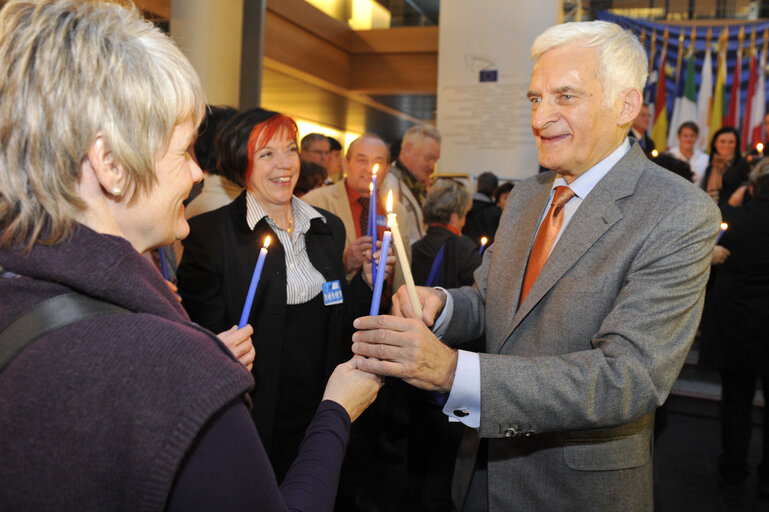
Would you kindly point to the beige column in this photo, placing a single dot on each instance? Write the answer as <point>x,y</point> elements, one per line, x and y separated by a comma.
<point>210,33</point>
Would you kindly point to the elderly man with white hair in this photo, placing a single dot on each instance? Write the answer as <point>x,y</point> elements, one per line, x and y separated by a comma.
<point>589,300</point>
<point>410,174</point>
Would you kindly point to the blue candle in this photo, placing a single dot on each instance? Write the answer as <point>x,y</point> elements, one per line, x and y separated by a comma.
<point>254,282</point>
<point>372,224</point>
<point>379,281</point>
<point>724,227</point>
<point>484,240</point>
<point>163,264</point>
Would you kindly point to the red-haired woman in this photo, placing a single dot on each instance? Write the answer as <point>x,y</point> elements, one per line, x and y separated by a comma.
<point>298,336</point>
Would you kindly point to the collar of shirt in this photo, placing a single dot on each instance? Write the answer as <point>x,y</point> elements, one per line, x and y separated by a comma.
<point>303,214</point>
<point>351,192</point>
<point>447,227</point>
<point>588,180</point>
<point>418,188</point>
<point>482,197</point>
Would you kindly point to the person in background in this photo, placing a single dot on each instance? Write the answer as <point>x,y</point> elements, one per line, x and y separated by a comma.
<point>736,326</point>
<point>589,299</point>
<point>335,167</point>
<point>311,176</point>
<point>501,194</point>
<point>674,165</point>
<point>687,151</point>
<point>350,200</point>
<point>410,174</point>
<point>445,210</point>
<point>727,169</point>
<point>483,218</point>
<point>303,331</point>
<point>639,130</point>
<point>753,153</point>
<point>136,408</point>
<point>216,190</point>
<point>316,149</point>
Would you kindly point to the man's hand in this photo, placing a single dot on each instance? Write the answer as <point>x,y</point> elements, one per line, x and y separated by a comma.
<point>738,196</point>
<point>433,302</point>
<point>720,253</point>
<point>404,348</point>
<point>389,263</point>
<point>239,343</point>
<point>355,254</point>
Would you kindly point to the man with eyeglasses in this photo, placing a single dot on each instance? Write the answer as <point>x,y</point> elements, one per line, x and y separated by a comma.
<point>315,148</point>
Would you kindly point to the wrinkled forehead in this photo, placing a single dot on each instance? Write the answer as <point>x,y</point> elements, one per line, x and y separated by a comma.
<point>565,67</point>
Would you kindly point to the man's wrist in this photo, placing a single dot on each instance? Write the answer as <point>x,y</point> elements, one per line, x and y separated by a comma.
<point>448,380</point>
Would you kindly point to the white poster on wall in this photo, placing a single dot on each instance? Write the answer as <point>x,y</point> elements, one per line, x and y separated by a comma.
<point>483,75</point>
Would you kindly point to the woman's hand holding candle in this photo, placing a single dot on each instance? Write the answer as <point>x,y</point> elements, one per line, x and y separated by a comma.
<point>238,341</point>
<point>389,267</point>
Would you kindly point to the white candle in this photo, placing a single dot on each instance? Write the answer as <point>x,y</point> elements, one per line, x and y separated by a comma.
<point>392,223</point>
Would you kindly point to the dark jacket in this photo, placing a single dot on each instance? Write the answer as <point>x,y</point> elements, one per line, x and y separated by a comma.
<point>460,258</point>
<point>214,275</point>
<point>99,415</point>
<point>482,220</point>
<point>736,320</point>
<point>734,177</point>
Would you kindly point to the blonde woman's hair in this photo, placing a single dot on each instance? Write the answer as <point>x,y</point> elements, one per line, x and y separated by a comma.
<point>622,62</point>
<point>74,69</point>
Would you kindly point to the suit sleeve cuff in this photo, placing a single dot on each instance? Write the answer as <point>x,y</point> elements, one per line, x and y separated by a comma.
<point>464,402</point>
<point>441,324</point>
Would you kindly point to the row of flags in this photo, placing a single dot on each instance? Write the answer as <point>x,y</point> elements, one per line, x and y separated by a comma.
<point>709,107</point>
<point>682,66</point>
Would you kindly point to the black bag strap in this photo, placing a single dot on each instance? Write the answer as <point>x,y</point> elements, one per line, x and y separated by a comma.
<point>49,315</point>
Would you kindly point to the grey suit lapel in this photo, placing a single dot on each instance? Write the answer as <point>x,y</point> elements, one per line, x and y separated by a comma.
<point>597,213</point>
<point>511,253</point>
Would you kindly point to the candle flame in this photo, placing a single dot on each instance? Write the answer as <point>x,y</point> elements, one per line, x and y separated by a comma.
<point>724,226</point>
<point>390,201</point>
<point>759,147</point>
<point>375,169</point>
<point>266,241</point>
<point>484,241</point>
<point>655,153</point>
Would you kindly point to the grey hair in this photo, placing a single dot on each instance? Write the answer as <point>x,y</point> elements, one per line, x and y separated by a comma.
<point>419,131</point>
<point>444,198</point>
<point>308,139</point>
<point>74,70</point>
<point>622,62</point>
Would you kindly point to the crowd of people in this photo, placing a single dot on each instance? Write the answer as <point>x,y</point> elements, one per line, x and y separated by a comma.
<point>556,311</point>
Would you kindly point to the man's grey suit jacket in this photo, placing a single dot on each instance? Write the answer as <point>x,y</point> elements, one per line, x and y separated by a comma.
<point>571,378</point>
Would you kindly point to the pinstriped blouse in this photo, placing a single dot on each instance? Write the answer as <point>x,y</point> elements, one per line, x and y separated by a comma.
<point>303,281</point>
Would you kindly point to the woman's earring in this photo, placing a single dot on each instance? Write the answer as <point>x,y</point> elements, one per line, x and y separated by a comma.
<point>116,191</point>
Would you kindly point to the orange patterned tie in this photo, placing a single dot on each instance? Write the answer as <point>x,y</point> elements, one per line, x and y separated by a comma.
<point>546,236</point>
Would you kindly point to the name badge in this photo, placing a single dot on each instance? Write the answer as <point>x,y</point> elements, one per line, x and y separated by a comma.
<point>332,293</point>
<point>381,220</point>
